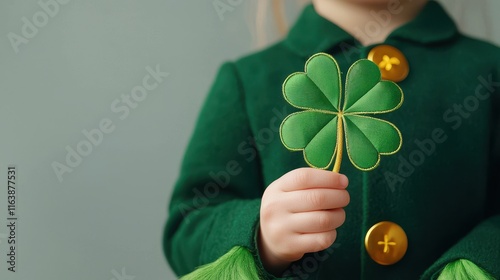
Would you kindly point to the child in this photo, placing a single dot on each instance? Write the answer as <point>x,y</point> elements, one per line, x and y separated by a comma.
<point>434,206</point>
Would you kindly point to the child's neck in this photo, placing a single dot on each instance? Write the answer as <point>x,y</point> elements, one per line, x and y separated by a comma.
<point>369,23</point>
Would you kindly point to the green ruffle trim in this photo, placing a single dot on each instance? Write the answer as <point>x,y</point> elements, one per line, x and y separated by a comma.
<point>463,270</point>
<point>238,263</point>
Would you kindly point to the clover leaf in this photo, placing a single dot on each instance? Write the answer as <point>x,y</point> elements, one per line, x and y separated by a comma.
<point>318,130</point>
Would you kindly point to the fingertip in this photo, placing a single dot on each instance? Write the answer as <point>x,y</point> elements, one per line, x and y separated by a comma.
<point>343,181</point>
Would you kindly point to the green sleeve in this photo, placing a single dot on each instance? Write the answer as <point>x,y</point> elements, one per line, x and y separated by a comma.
<point>216,200</point>
<point>482,245</point>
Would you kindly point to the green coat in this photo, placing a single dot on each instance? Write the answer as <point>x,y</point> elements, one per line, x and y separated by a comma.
<point>442,188</point>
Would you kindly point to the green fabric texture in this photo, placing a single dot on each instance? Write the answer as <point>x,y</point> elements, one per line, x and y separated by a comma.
<point>463,270</point>
<point>486,257</point>
<point>216,203</point>
<point>315,131</point>
<point>442,188</point>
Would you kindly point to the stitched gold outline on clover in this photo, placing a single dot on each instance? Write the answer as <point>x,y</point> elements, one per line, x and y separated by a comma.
<point>378,153</point>
<point>341,114</point>
<point>304,149</point>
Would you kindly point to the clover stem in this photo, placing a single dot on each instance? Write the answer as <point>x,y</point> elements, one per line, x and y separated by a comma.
<point>340,143</point>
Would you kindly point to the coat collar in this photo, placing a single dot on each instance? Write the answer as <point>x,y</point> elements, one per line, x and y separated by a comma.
<point>313,33</point>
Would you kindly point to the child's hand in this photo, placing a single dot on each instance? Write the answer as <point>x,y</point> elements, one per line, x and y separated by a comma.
<point>300,213</point>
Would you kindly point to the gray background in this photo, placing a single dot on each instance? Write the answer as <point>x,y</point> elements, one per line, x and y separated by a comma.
<point>108,213</point>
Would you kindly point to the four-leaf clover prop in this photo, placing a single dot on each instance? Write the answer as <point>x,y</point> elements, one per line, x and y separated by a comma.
<point>319,129</point>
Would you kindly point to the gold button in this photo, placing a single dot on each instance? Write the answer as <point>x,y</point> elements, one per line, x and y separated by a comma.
<point>391,61</point>
<point>386,243</point>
